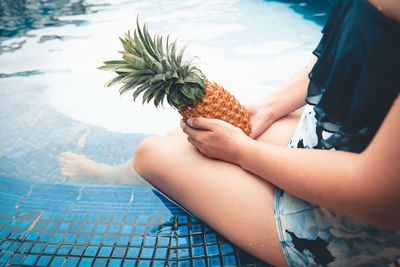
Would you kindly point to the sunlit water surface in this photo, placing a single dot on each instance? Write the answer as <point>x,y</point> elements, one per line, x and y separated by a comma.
<point>249,47</point>
<point>53,98</point>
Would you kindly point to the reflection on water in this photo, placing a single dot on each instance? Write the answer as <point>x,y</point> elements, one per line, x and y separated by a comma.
<point>19,16</point>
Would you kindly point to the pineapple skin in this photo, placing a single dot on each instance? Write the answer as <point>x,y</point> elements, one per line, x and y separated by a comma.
<point>218,103</point>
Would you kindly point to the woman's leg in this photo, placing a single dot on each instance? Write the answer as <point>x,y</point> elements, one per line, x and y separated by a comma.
<point>236,203</point>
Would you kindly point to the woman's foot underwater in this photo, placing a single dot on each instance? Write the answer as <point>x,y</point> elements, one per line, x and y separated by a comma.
<point>81,169</point>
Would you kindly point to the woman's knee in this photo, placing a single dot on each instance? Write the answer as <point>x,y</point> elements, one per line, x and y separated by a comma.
<point>146,155</point>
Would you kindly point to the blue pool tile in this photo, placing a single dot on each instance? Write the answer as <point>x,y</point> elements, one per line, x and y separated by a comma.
<point>75,227</point>
<point>101,228</point>
<point>24,224</point>
<point>91,251</point>
<point>166,230</point>
<point>183,230</point>
<point>40,225</point>
<point>118,252</point>
<point>226,248</point>
<point>211,237</point>
<point>150,241</point>
<point>3,220</point>
<point>194,219</point>
<point>140,229</point>
<point>57,261</point>
<point>13,247</point>
<point>143,263</point>
<point>100,262</point>
<point>155,219</point>
<point>183,241</point>
<point>184,263</point>
<point>29,260</point>
<point>161,253</point>
<point>57,237</point>
<point>4,232</point>
<point>131,263</point>
<point>105,218</point>
<point>24,247</point>
<point>43,261</point>
<point>88,227</point>
<point>143,219</point>
<point>153,229</point>
<point>5,245</point>
<point>182,219</point>
<point>214,261</point>
<point>198,251</point>
<point>105,252</point>
<point>197,239</point>
<point>159,263</point>
<point>130,218</point>
<point>196,228</point>
<point>50,249</point>
<point>183,253</point>
<point>57,216</point>
<point>118,218</point>
<point>163,241</point>
<point>127,229</point>
<point>199,262</point>
<point>51,226</point>
<point>230,260</point>
<point>71,261</point>
<point>63,250</point>
<point>11,211</point>
<point>123,240</point>
<point>147,253</point>
<point>133,252</point>
<point>69,217</point>
<point>212,250</point>
<point>80,217</point>
<point>137,240</point>
<point>13,222</point>
<point>37,248</point>
<point>96,239</point>
<point>93,217</point>
<point>83,239</point>
<point>110,240</point>
<point>44,237</point>
<point>115,263</point>
<point>70,238</point>
<point>16,259</point>
<point>77,250</point>
<point>114,228</point>
<point>85,262</point>
<point>63,227</point>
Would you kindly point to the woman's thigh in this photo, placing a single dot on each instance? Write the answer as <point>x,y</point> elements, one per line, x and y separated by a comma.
<point>236,203</point>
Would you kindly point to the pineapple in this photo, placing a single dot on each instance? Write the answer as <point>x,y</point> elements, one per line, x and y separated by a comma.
<point>155,68</point>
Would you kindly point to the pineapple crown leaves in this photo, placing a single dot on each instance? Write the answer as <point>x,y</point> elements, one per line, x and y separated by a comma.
<point>155,68</point>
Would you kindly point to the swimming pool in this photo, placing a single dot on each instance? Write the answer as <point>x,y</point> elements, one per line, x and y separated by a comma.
<point>53,100</point>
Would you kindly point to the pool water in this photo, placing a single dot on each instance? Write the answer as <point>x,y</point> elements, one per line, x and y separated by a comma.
<point>53,99</point>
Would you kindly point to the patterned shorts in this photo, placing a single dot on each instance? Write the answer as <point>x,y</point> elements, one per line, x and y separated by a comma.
<point>314,236</point>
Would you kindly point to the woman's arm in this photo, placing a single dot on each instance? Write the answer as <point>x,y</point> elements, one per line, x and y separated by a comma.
<point>286,99</point>
<point>364,186</point>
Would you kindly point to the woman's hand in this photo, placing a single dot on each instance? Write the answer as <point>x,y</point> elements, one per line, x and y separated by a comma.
<point>215,138</point>
<point>261,117</point>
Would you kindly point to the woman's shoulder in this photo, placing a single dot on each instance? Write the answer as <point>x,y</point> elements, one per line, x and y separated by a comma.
<point>389,8</point>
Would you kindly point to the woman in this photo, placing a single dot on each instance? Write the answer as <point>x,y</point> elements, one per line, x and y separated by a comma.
<point>334,203</point>
<point>349,182</point>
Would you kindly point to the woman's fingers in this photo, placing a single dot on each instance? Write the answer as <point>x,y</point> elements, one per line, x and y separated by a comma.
<point>202,123</point>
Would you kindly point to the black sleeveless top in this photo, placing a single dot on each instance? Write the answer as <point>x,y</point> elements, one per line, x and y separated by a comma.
<point>357,75</point>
